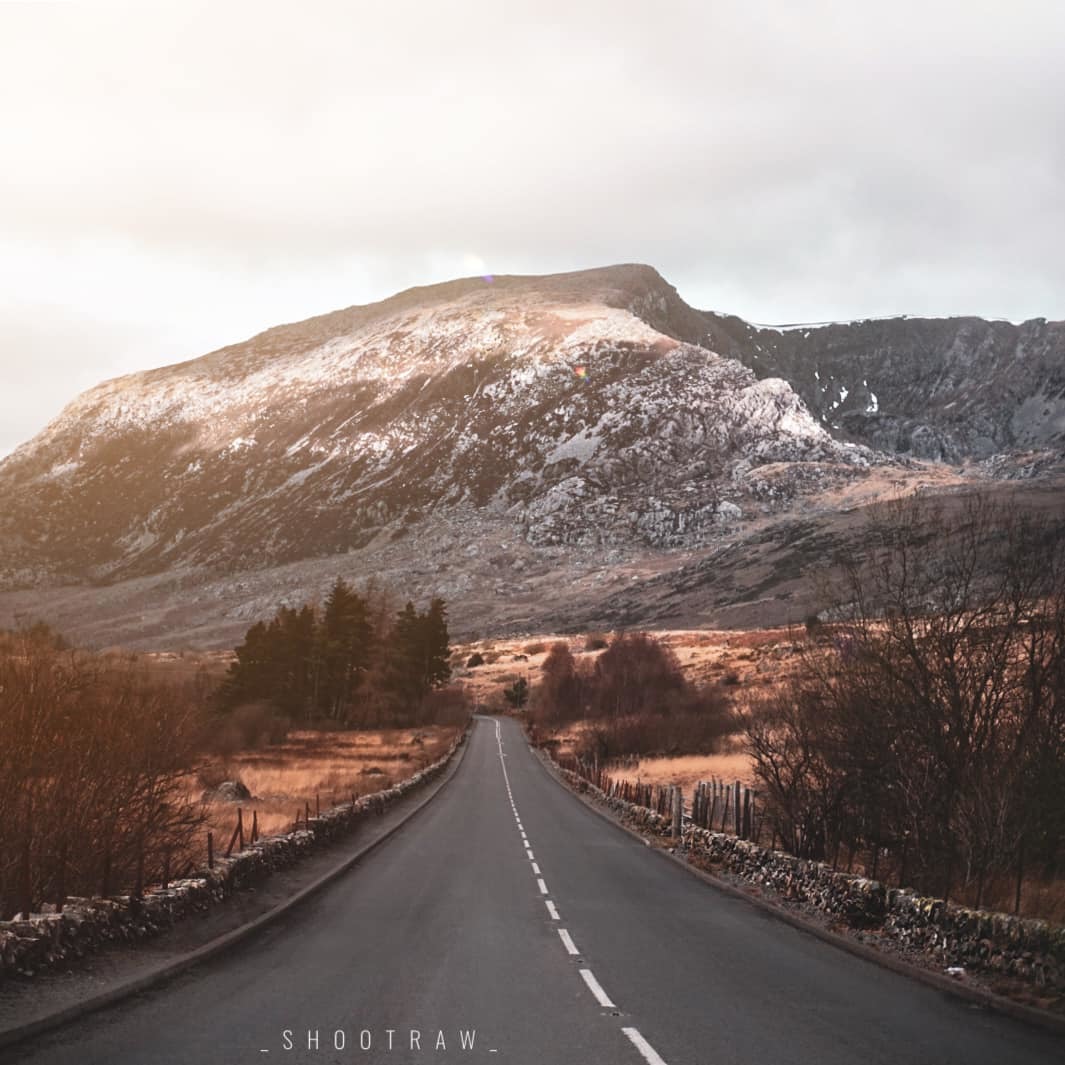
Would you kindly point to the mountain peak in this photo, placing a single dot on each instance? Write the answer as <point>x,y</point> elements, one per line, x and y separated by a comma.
<point>589,412</point>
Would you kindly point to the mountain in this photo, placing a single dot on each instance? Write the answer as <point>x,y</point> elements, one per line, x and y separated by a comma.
<point>949,389</point>
<point>523,445</point>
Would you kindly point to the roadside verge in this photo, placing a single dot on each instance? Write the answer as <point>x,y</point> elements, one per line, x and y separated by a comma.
<point>649,832</point>
<point>28,1009</point>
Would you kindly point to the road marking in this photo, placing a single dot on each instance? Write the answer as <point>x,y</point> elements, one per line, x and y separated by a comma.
<point>529,853</point>
<point>650,1055</point>
<point>551,909</point>
<point>536,869</point>
<point>542,886</point>
<point>596,989</point>
<point>567,942</point>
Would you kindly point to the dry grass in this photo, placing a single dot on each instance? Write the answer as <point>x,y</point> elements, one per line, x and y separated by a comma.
<point>746,660</point>
<point>328,767</point>
<point>687,770</point>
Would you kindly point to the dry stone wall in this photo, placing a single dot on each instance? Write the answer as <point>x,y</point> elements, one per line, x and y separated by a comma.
<point>51,939</point>
<point>975,940</point>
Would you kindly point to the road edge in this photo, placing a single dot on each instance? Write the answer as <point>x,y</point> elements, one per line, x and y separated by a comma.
<point>989,1000</point>
<point>10,1037</point>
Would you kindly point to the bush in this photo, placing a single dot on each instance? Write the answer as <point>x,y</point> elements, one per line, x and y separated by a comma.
<point>562,689</point>
<point>698,729</point>
<point>446,706</point>
<point>535,648</point>
<point>475,660</point>
<point>517,694</point>
<point>638,697</point>
<point>95,774</point>
<point>595,641</point>
<point>248,727</point>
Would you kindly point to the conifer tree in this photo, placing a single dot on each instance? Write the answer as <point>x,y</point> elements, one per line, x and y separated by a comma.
<point>346,646</point>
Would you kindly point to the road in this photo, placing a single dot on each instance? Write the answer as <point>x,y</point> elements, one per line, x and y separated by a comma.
<point>510,910</point>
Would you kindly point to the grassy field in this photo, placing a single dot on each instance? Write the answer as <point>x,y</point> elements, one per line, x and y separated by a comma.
<point>323,767</point>
<point>749,661</point>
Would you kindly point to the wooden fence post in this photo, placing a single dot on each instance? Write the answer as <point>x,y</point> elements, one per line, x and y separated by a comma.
<point>61,879</point>
<point>105,887</point>
<point>138,883</point>
<point>737,813</point>
<point>240,828</point>
<point>1020,877</point>
<point>210,850</point>
<point>678,812</point>
<point>25,879</point>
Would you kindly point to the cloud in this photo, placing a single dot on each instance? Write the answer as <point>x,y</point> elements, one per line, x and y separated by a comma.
<point>781,161</point>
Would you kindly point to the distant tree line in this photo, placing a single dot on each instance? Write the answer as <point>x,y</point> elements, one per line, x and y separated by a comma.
<point>350,661</point>
<point>926,732</point>
<point>633,697</point>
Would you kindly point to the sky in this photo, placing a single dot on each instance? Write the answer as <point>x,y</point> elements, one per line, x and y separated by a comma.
<point>176,178</point>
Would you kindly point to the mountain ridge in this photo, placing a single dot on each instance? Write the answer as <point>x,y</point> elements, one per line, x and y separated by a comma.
<point>592,414</point>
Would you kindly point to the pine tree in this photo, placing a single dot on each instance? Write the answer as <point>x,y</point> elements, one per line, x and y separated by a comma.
<point>419,655</point>
<point>274,664</point>
<point>345,647</point>
<point>436,668</point>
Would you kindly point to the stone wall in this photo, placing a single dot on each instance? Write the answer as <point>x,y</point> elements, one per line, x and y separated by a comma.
<point>86,925</point>
<point>976,940</point>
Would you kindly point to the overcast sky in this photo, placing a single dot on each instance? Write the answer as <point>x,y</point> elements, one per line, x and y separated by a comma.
<point>172,180</point>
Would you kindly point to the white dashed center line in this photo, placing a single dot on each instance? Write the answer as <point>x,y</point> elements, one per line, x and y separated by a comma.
<point>647,1052</point>
<point>596,989</point>
<point>650,1055</point>
<point>567,942</point>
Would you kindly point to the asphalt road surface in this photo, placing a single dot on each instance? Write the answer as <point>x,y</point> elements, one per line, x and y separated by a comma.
<point>509,911</point>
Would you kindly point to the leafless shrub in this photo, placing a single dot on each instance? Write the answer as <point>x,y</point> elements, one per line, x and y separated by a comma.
<point>248,727</point>
<point>638,697</point>
<point>447,706</point>
<point>931,726</point>
<point>95,764</point>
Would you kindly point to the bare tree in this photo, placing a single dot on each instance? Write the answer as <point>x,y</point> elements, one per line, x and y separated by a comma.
<point>95,764</point>
<point>931,723</point>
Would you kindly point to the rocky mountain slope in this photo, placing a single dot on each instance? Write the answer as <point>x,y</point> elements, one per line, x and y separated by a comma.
<point>949,389</point>
<point>486,438</point>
